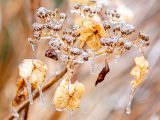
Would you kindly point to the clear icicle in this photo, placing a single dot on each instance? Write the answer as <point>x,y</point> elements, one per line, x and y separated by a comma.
<point>128,107</point>
<point>14,112</point>
<point>70,114</point>
<point>41,94</point>
<point>29,91</point>
<point>117,58</point>
<point>92,64</point>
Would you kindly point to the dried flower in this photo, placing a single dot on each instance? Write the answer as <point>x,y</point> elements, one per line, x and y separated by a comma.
<point>67,95</point>
<point>33,70</point>
<point>139,71</point>
<point>91,33</point>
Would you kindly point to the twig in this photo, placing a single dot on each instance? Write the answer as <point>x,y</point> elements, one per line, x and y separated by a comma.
<point>23,105</point>
<point>26,110</point>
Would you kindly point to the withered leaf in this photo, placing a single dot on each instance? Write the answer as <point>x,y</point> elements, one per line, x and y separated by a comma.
<point>51,54</point>
<point>21,93</point>
<point>102,74</point>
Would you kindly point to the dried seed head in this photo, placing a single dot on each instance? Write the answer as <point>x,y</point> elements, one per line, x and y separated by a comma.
<point>69,39</point>
<point>127,28</point>
<point>37,35</point>
<point>104,41</point>
<point>55,43</point>
<point>51,54</point>
<point>106,25</point>
<point>62,16</point>
<point>33,41</point>
<point>64,57</point>
<point>127,45</point>
<point>57,27</point>
<point>116,28</point>
<point>77,6</point>
<point>85,56</point>
<point>42,12</point>
<point>143,36</point>
<point>86,8</point>
<point>37,26</point>
<point>75,50</point>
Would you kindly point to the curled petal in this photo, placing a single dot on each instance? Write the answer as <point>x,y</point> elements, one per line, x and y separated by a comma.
<point>61,98</point>
<point>25,68</point>
<point>136,71</point>
<point>141,62</point>
<point>74,103</point>
<point>93,42</point>
<point>79,90</point>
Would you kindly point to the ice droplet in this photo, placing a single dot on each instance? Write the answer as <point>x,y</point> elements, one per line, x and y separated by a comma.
<point>29,91</point>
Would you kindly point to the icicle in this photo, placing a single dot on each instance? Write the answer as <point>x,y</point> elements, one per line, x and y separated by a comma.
<point>14,112</point>
<point>116,58</point>
<point>128,108</point>
<point>92,64</point>
<point>29,91</point>
<point>41,94</point>
<point>70,114</point>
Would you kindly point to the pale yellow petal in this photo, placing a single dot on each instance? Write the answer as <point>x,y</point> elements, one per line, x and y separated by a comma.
<point>79,90</point>
<point>25,68</point>
<point>74,103</point>
<point>136,71</point>
<point>93,42</point>
<point>37,77</point>
<point>61,98</point>
<point>141,62</point>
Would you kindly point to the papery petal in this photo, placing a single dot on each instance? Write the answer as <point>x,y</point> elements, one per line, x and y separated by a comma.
<point>37,77</point>
<point>25,68</point>
<point>141,62</point>
<point>93,42</point>
<point>79,90</point>
<point>61,98</point>
<point>74,103</point>
<point>136,71</point>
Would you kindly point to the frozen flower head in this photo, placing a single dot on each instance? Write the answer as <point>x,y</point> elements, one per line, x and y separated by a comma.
<point>33,70</point>
<point>67,95</point>
<point>139,71</point>
<point>91,33</point>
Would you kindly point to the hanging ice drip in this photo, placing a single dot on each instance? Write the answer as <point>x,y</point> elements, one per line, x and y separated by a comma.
<point>92,68</point>
<point>14,112</point>
<point>139,72</point>
<point>33,71</point>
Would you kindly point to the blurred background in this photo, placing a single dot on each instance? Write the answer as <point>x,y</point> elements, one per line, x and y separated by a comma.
<point>107,101</point>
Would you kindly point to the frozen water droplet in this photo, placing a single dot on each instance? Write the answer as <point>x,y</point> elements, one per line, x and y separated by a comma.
<point>41,94</point>
<point>14,112</point>
<point>128,108</point>
<point>92,64</point>
<point>29,91</point>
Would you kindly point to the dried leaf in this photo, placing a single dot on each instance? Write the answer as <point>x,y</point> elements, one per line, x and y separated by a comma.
<point>21,93</point>
<point>102,74</point>
<point>51,54</point>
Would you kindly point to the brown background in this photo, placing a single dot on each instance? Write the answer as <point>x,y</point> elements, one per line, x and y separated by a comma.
<point>107,101</point>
